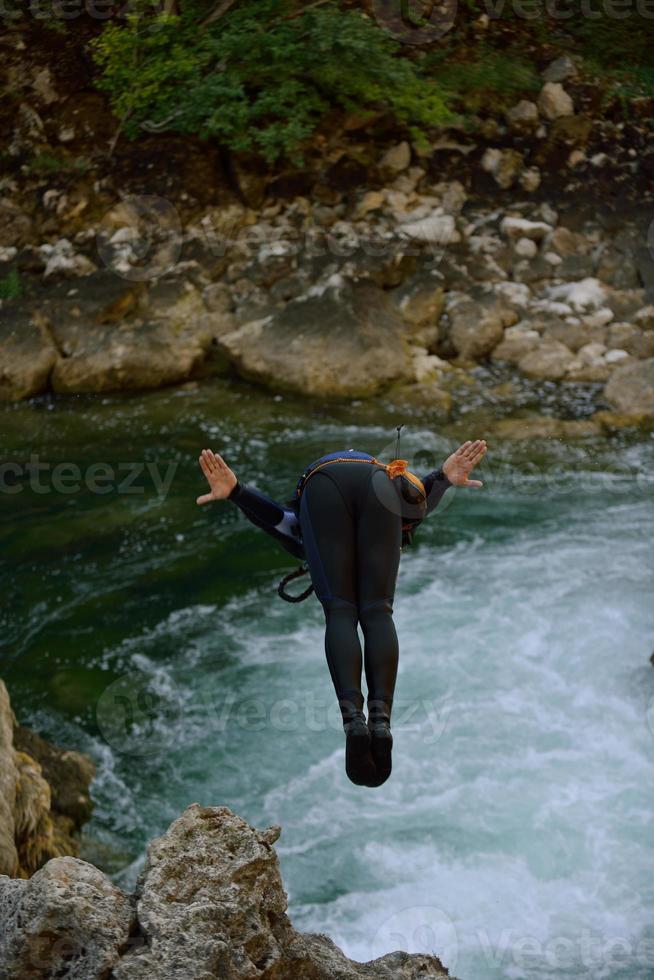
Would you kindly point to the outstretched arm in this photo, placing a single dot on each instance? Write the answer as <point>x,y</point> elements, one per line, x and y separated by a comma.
<point>280,522</point>
<point>454,472</point>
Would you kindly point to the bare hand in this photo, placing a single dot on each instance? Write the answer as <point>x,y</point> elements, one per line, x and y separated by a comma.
<point>459,465</point>
<point>220,478</point>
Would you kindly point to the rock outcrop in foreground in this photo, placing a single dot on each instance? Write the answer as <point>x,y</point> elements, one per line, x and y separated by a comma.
<point>209,904</point>
<point>44,797</point>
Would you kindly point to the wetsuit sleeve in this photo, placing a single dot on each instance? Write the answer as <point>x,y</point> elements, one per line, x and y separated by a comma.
<point>435,484</point>
<point>279,522</point>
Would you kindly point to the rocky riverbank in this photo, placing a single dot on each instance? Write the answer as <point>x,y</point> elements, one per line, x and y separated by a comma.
<point>379,268</point>
<point>209,903</point>
<point>412,284</point>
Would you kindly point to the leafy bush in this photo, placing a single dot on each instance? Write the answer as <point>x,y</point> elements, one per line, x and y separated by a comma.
<point>260,78</point>
<point>10,287</point>
<point>490,79</point>
<point>619,50</point>
<point>624,44</point>
<point>44,164</point>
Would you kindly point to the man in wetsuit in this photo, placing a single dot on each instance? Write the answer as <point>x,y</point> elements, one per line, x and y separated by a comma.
<point>349,521</point>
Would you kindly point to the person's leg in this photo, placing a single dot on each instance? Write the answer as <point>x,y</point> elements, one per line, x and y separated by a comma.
<point>379,537</point>
<point>329,536</point>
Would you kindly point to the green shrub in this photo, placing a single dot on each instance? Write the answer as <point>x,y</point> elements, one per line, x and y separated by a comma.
<point>10,287</point>
<point>262,77</point>
<point>499,64</point>
<point>44,164</point>
<point>489,79</point>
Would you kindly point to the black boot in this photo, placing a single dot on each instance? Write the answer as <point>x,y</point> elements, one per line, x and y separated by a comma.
<point>381,741</point>
<point>359,764</point>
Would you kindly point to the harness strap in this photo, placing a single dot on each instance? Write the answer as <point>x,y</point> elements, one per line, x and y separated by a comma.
<point>397,467</point>
<point>281,588</point>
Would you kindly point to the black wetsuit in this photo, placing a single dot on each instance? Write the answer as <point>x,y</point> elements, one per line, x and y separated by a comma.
<point>349,524</point>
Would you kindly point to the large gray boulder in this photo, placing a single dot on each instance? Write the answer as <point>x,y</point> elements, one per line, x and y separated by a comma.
<point>109,358</point>
<point>477,325</point>
<point>107,335</point>
<point>136,340</point>
<point>67,920</point>
<point>27,355</point>
<point>214,880</point>
<point>630,388</point>
<point>573,335</point>
<point>551,360</point>
<point>518,341</point>
<point>341,339</point>
<point>420,301</point>
<point>209,904</point>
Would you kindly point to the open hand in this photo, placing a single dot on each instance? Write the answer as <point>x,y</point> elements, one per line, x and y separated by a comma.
<point>220,478</point>
<point>459,465</point>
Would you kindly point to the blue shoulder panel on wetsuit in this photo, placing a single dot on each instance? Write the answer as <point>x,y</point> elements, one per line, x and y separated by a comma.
<point>278,521</point>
